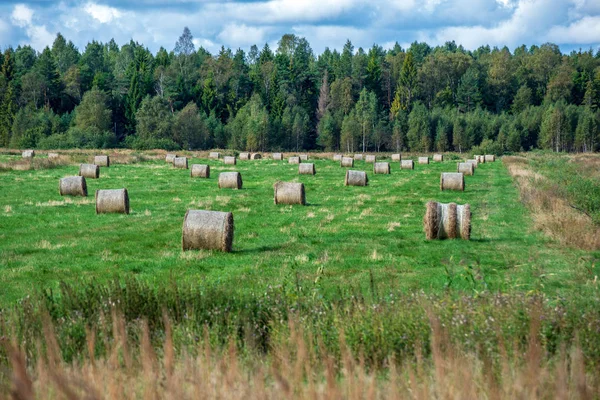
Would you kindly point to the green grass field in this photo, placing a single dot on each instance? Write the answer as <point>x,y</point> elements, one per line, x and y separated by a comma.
<point>346,238</point>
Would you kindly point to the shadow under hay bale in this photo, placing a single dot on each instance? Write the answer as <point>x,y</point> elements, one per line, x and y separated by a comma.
<point>72,186</point>
<point>423,160</point>
<point>381,168</point>
<point>466,168</point>
<point>452,181</point>
<point>207,230</point>
<point>102,161</point>
<point>170,158</point>
<point>289,193</point>
<point>438,157</point>
<point>230,180</point>
<point>347,162</point>
<point>277,156</point>
<point>407,164</point>
<point>490,158</point>
<point>255,156</point>
<point>447,221</point>
<point>89,171</point>
<point>244,156</point>
<point>180,162</point>
<point>214,155</point>
<point>28,154</point>
<point>229,160</point>
<point>307,169</point>
<point>370,158</point>
<point>112,201</point>
<point>294,160</point>
<point>200,171</point>
<point>396,157</point>
<point>356,178</point>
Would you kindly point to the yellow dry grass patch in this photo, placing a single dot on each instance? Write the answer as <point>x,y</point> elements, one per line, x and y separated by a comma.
<point>7,209</point>
<point>391,227</point>
<point>223,200</point>
<point>46,245</point>
<point>191,255</point>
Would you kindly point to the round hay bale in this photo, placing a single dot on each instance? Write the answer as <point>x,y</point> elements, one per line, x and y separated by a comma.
<point>465,168</point>
<point>473,161</point>
<point>200,171</point>
<point>337,157</point>
<point>452,181</point>
<point>170,157</point>
<point>438,157</point>
<point>230,180</point>
<point>72,186</point>
<point>230,160</point>
<point>447,221</point>
<point>180,162</point>
<point>303,157</point>
<point>490,158</point>
<point>407,164</point>
<point>381,168</point>
<point>370,158</point>
<point>112,201</point>
<point>244,156</point>
<point>102,161</point>
<point>423,160</point>
<point>358,157</point>
<point>53,156</point>
<point>356,178</point>
<point>89,171</point>
<point>289,193</point>
<point>396,157</point>
<point>28,154</point>
<point>277,156</point>
<point>207,230</point>
<point>255,156</point>
<point>480,159</point>
<point>214,154</point>
<point>294,160</point>
<point>347,162</point>
<point>306,169</point>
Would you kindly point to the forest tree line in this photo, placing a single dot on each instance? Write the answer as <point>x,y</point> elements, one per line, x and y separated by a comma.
<point>420,99</point>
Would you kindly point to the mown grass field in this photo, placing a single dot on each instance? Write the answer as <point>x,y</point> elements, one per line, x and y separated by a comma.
<point>346,238</point>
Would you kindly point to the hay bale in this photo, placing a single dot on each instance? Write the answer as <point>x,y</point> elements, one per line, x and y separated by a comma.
<point>214,154</point>
<point>53,156</point>
<point>89,171</point>
<point>407,164</point>
<point>208,230</point>
<point>112,201</point>
<point>396,157</point>
<point>170,157</point>
<point>450,221</point>
<point>438,157</point>
<point>255,156</point>
<point>277,156</point>
<point>452,181</point>
<point>370,159</point>
<point>229,160</point>
<point>28,154</point>
<point>347,162</point>
<point>230,180</point>
<point>337,157</point>
<point>358,157</point>
<point>102,161</point>
<point>180,162</point>
<point>480,159</point>
<point>423,160</point>
<point>473,161</point>
<point>356,178</point>
<point>490,158</point>
<point>306,169</point>
<point>244,156</point>
<point>381,168</point>
<point>303,157</point>
<point>72,186</point>
<point>465,168</point>
<point>294,160</point>
<point>200,171</point>
<point>289,193</point>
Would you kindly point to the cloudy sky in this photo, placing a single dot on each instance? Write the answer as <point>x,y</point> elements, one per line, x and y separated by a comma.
<point>572,24</point>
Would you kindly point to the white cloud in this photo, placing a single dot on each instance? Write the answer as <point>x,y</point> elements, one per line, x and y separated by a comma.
<point>38,35</point>
<point>242,35</point>
<point>584,31</point>
<point>101,13</point>
<point>21,15</point>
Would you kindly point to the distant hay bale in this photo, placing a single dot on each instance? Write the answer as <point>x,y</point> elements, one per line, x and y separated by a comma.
<point>72,186</point>
<point>465,168</point>
<point>255,156</point>
<point>244,156</point>
<point>370,158</point>
<point>89,171</point>
<point>214,154</point>
<point>490,158</point>
<point>407,164</point>
<point>358,157</point>
<point>306,169</point>
<point>423,160</point>
<point>207,230</point>
<point>303,157</point>
<point>381,168</point>
<point>447,221</point>
<point>112,201</point>
<point>337,157</point>
<point>356,178</point>
<point>473,161</point>
<point>294,160</point>
<point>53,156</point>
<point>102,161</point>
<point>396,157</point>
<point>277,156</point>
<point>347,162</point>
<point>480,159</point>
<point>289,193</point>
<point>230,180</point>
<point>28,154</point>
<point>229,160</point>
<point>438,157</point>
<point>200,171</point>
<point>170,157</point>
<point>180,162</point>
<point>452,181</point>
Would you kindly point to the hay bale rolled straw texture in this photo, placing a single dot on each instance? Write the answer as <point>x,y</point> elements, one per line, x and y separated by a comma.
<point>465,168</point>
<point>356,178</point>
<point>303,157</point>
<point>438,157</point>
<point>407,164</point>
<point>307,169</point>
<point>72,186</point>
<point>480,159</point>
<point>180,162</point>
<point>473,161</point>
<point>370,158</point>
<point>294,160</point>
<point>28,154</point>
<point>112,201</point>
<point>447,221</point>
<point>53,156</point>
<point>230,180</point>
<point>396,157</point>
<point>347,162</point>
<point>214,155</point>
<point>170,157</point>
<point>244,156</point>
<point>337,157</point>
<point>423,160</point>
<point>490,158</point>
<point>89,171</point>
<point>359,157</point>
<point>207,230</point>
<point>452,181</point>
<point>200,171</point>
<point>102,161</point>
<point>277,156</point>
<point>255,156</point>
<point>229,160</point>
<point>289,193</point>
<point>381,168</point>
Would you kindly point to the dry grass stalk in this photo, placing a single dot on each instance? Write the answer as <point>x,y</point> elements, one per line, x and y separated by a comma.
<point>244,156</point>
<point>465,168</point>
<point>306,169</point>
<point>447,221</point>
<point>370,158</point>
<point>230,180</point>
<point>381,168</point>
<point>112,201</point>
<point>180,162</point>
<point>200,171</point>
<point>208,230</point>
<point>89,171</point>
<point>102,161</point>
<point>438,157</point>
<point>289,193</point>
<point>170,157</point>
<point>423,160</point>
<point>358,157</point>
<point>294,160</point>
<point>407,164</point>
<point>356,178</point>
<point>347,162</point>
<point>277,156</point>
<point>72,186</point>
<point>397,157</point>
<point>452,181</point>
